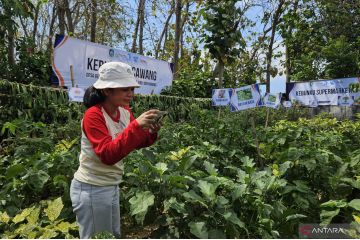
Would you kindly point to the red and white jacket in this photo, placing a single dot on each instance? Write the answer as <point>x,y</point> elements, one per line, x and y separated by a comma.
<point>105,142</point>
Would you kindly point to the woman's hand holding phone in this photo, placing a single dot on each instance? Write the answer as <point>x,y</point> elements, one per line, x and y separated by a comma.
<point>147,118</point>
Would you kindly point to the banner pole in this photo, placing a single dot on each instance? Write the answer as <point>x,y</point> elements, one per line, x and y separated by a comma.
<point>252,121</point>
<point>267,117</point>
<point>72,75</point>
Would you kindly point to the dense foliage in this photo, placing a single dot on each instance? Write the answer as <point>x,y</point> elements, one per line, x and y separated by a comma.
<point>205,177</point>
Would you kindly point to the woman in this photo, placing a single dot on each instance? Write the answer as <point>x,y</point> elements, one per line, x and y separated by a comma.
<point>109,133</point>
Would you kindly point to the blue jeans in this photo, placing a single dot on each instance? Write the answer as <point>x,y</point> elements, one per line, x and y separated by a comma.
<point>97,208</point>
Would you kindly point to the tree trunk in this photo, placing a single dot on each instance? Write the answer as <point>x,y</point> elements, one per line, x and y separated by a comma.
<point>40,41</point>
<point>70,23</point>
<point>61,16</point>
<point>135,35</point>
<point>221,72</point>
<point>93,21</point>
<point>36,18</point>
<point>287,56</point>
<point>164,45</point>
<point>182,29</point>
<point>141,26</point>
<point>51,32</point>
<point>177,36</point>
<point>23,26</point>
<point>157,50</point>
<point>11,47</point>
<point>287,64</point>
<point>274,25</point>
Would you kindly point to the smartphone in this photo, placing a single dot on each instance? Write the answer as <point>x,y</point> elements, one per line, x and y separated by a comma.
<point>161,116</point>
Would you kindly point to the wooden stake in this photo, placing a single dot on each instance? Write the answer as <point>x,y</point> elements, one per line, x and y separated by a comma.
<point>267,117</point>
<point>256,141</point>
<point>72,75</point>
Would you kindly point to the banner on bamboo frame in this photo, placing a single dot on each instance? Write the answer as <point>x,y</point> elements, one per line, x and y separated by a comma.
<point>221,97</point>
<point>245,97</point>
<point>272,100</point>
<point>323,92</point>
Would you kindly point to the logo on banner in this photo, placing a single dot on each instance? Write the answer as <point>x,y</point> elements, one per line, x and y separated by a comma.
<point>287,104</point>
<point>143,61</point>
<point>346,100</point>
<point>111,52</point>
<point>221,97</point>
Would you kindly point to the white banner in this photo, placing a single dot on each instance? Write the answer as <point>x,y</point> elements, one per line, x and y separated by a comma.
<point>316,93</point>
<point>245,97</point>
<point>272,100</point>
<point>287,104</point>
<point>86,57</point>
<point>221,97</point>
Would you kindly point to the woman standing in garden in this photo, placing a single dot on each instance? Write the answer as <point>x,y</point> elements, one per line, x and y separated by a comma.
<point>109,133</point>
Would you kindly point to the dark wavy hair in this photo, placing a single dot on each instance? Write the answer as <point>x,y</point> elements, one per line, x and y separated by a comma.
<point>93,96</point>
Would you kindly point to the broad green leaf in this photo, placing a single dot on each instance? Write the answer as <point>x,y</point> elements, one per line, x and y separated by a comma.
<point>8,235</point>
<point>327,216</point>
<point>216,234</point>
<point>231,217</point>
<point>174,204</point>
<point>242,176</point>
<point>275,170</point>
<point>33,216</point>
<point>39,179</point>
<point>295,216</point>
<point>161,167</point>
<point>48,233</point>
<point>208,189</point>
<point>247,162</point>
<point>140,203</point>
<point>357,219</point>
<point>285,166</point>
<point>221,201</point>
<point>14,170</point>
<point>175,156</point>
<point>10,126</point>
<point>238,191</point>
<point>25,230</point>
<point>21,216</point>
<point>149,154</point>
<point>4,217</point>
<point>192,196</point>
<point>210,168</point>
<point>198,229</point>
<point>187,162</point>
<point>32,235</point>
<point>352,182</point>
<point>355,159</point>
<point>301,186</point>
<point>66,226</point>
<point>334,204</point>
<point>54,209</point>
<point>355,203</point>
